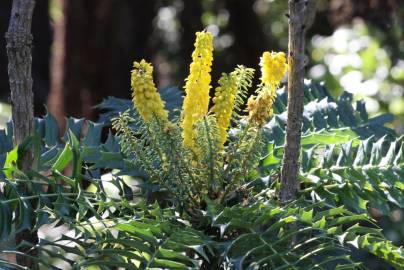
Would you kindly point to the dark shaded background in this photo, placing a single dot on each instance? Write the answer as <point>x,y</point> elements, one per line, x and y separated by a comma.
<point>92,43</point>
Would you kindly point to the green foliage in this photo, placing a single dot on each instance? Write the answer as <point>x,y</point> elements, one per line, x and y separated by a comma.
<point>360,166</point>
<point>151,240</point>
<point>360,177</point>
<point>244,82</point>
<point>321,112</point>
<point>319,236</point>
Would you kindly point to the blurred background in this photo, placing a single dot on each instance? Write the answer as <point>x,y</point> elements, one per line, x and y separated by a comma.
<point>83,50</point>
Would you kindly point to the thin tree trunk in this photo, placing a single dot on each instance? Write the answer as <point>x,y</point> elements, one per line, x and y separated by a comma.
<point>55,98</point>
<point>19,47</point>
<point>301,15</point>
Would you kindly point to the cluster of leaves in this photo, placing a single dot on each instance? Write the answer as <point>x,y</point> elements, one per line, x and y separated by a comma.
<point>350,164</point>
<point>344,151</point>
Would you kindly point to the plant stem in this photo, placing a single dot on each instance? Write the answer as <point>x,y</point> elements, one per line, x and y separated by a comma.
<point>211,158</point>
<point>36,197</point>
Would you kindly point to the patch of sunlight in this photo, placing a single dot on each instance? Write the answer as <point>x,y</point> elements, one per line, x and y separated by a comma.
<point>5,114</point>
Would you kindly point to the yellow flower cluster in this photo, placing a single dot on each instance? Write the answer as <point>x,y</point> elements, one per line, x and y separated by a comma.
<point>145,96</point>
<point>224,101</point>
<point>197,87</point>
<point>273,68</point>
<point>260,108</point>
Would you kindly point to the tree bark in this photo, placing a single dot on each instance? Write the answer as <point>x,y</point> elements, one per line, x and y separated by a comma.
<point>41,30</point>
<point>301,15</point>
<point>19,47</point>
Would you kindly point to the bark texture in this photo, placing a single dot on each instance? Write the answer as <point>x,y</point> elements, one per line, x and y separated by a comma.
<point>19,47</point>
<point>301,16</point>
<point>41,30</point>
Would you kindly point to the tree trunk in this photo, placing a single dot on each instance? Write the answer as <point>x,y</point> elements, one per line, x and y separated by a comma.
<point>19,46</point>
<point>102,39</point>
<point>301,15</point>
<point>41,30</point>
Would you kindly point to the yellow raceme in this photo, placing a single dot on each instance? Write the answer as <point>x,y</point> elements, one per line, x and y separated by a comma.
<point>145,96</point>
<point>197,88</point>
<point>224,100</point>
<point>260,108</point>
<point>273,69</point>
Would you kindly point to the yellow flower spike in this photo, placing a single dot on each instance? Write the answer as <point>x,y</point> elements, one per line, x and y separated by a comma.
<point>197,87</point>
<point>273,68</point>
<point>260,108</point>
<point>224,101</point>
<point>145,96</point>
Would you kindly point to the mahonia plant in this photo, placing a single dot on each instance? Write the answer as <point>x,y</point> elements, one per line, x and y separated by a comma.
<point>193,158</point>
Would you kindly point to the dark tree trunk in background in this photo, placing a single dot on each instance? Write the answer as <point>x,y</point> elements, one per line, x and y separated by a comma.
<point>41,30</point>
<point>249,37</point>
<point>19,46</point>
<point>40,52</point>
<point>301,15</point>
<point>191,22</point>
<point>102,39</point>
<point>55,98</point>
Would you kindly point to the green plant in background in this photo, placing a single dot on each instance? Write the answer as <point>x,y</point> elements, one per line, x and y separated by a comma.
<point>198,189</point>
<point>355,59</point>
